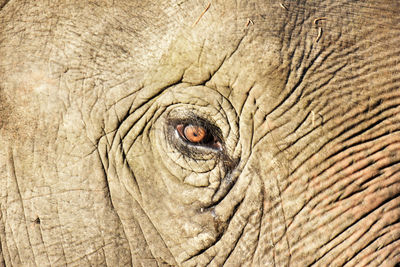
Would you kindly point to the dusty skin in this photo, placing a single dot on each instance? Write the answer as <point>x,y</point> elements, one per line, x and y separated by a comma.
<point>194,133</point>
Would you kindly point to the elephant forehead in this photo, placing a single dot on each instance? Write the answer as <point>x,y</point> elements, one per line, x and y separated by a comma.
<point>226,50</point>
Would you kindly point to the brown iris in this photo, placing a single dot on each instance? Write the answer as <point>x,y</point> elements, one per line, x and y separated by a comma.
<point>192,133</point>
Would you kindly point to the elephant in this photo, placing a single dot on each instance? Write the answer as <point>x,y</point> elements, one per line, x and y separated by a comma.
<point>194,133</point>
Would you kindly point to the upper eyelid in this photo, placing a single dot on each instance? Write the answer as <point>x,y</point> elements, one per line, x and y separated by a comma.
<point>195,121</point>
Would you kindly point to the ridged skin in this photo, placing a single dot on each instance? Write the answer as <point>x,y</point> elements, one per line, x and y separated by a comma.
<point>305,96</point>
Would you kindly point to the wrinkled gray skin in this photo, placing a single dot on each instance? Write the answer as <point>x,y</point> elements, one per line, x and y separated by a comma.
<point>301,96</point>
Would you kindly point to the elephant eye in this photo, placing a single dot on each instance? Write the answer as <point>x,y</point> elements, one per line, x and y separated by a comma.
<point>198,135</point>
<point>192,133</point>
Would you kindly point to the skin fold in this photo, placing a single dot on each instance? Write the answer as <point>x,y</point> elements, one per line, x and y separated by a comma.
<point>298,100</point>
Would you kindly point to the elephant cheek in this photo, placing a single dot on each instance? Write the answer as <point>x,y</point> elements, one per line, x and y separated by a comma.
<point>266,173</point>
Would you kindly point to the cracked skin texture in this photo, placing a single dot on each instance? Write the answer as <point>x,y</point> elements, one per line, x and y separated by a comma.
<point>93,171</point>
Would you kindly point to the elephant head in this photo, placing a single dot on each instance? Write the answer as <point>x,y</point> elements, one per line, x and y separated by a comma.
<point>194,133</point>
